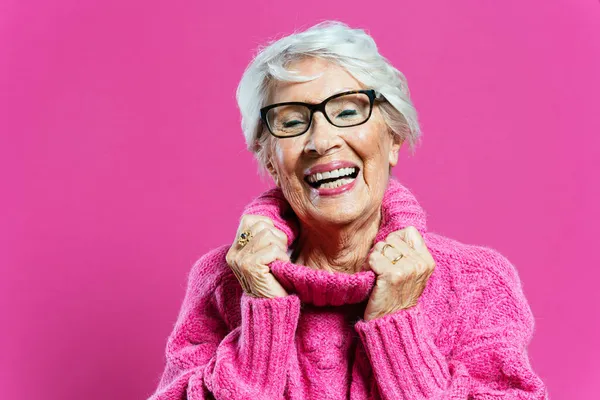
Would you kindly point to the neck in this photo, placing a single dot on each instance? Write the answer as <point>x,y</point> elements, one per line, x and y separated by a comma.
<point>337,249</point>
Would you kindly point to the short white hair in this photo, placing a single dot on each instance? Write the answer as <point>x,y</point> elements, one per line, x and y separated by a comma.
<point>333,41</point>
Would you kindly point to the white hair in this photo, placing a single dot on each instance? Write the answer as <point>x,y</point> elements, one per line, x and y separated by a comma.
<point>352,49</point>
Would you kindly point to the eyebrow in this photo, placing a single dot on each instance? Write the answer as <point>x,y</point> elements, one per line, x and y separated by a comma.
<point>312,101</point>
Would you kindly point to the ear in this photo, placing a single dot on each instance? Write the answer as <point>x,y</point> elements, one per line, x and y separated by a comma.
<point>273,172</point>
<point>269,165</point>
<point>394,149</point>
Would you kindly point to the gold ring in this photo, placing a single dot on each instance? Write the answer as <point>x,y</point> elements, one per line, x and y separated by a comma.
<point>244,238</point>
<point>395,260</point>
<point>385,246</point>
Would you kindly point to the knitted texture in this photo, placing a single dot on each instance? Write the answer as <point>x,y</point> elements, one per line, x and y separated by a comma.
<point>465,339</point>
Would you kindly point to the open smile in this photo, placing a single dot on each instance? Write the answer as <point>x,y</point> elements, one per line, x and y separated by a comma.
<point>332,179</point>
<point>333,175</point>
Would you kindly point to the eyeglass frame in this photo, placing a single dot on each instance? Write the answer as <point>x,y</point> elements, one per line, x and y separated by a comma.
<point>371,93</point>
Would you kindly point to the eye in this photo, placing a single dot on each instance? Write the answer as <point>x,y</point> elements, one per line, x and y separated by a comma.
<point>347,113</point>
<point>291,124</point>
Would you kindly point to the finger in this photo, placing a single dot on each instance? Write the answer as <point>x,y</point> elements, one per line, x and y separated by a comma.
<point>266,238</point>
<point>402,234</point>
<point>260,226</point>
<point>260,276</point>
<point>245,222</point>
<point>248,220</point>
<point>388,251</point>
<point>261,221</point>
<point>412,236</point>
<point>280,235</point>
<point>269,254</point>
<point>378,263</point>
<point>379,247</point>
<point>257,227</point>
<point>399,247</point>
<point>412,262</point>
<point>252,224</point>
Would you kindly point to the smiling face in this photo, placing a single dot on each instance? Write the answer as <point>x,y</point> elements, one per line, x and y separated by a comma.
<point>331,175</point>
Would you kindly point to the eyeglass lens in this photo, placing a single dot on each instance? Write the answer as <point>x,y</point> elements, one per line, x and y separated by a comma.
<point>347,110</point>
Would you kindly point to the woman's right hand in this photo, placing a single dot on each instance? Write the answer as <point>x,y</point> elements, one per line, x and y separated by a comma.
<point>249,263</point>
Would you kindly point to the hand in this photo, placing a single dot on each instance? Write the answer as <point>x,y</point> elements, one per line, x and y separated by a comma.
<point>249,262</point>
<point>399,285</point>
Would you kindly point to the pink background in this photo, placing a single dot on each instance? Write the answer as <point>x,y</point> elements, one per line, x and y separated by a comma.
<point>122,162</point>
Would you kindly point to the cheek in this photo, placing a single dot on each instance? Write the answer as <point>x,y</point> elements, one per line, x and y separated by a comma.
<point>363,135</point>
<point>362,143</point>
<point>284,159</point>
<point>371,146</point>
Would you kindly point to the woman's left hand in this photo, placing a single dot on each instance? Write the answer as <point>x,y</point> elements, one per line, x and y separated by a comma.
<point>402,272</point>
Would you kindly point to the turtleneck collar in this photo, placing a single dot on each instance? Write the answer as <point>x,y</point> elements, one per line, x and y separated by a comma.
<point>399,209</point>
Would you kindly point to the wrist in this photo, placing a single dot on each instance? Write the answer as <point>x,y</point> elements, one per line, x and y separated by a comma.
<point>268,295</point>
<point>371,316</point>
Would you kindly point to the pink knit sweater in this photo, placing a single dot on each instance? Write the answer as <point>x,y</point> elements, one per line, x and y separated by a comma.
<point>465,339</point>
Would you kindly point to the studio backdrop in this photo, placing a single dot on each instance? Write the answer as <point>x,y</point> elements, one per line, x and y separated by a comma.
<point>122,161</point>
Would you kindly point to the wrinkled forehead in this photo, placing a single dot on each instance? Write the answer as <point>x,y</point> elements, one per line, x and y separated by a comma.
<point>332,79</point>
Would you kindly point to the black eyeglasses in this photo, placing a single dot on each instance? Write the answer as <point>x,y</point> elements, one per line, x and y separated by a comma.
<point>343,110</point>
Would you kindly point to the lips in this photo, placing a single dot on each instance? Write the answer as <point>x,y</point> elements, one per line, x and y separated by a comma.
<point>330,166</point>
<point>331,175</point>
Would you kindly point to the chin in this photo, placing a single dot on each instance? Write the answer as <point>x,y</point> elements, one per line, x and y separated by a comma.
<point>339,215</point>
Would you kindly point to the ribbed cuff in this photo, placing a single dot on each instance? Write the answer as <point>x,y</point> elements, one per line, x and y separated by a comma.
<point>406,362</point>
<point>268,332</point>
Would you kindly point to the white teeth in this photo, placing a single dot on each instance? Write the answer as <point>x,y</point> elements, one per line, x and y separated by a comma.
<point>337,173</point>
<point>336,184</point>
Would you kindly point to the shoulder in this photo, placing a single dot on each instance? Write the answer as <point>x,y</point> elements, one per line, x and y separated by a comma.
<point>212,287</point>
<point>209,271</point>
<point>473,267</point>
<point>487,287</point>
<point>483,280</point>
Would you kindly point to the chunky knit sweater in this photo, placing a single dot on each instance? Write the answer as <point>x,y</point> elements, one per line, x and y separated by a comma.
<point>465,339</point>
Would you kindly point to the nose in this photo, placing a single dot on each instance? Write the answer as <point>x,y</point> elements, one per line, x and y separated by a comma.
<point>323,138</point>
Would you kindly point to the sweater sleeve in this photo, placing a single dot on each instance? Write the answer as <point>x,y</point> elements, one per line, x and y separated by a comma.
<point>207,359</point>
<point>489,359</point>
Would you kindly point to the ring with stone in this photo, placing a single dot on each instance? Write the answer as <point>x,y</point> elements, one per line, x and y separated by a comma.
<point>244,238</point>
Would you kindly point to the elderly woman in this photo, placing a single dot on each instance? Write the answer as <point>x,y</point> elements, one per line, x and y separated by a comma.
<point>333,288</point>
